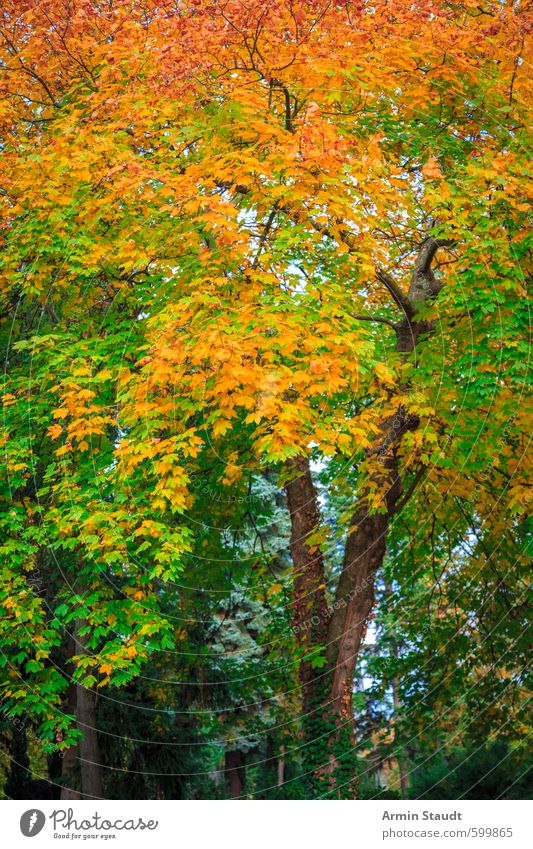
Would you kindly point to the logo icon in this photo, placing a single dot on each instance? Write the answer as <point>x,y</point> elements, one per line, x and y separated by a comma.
<point>32,822</point>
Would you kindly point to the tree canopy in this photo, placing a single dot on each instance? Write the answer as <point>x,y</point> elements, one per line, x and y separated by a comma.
<point>265,323</point>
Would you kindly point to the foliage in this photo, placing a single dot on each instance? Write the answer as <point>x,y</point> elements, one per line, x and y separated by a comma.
<point>213,223</point>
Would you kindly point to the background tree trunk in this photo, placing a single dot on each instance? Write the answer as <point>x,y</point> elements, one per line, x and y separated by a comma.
<point>19,773</point>
<point>310,611</point>
<point>234,772</point>
<point>281,766</point>
<point>70,775</point>
<point>89,750</point>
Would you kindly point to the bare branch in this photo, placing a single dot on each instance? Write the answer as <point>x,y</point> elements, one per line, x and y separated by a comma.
<point>264,235</point>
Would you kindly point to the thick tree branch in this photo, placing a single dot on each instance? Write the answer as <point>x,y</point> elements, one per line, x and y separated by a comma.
<point>428,250</point>
<point>275,83</point>
<point>397,294</point>
<point>408,492</point>
<point>377,318</point>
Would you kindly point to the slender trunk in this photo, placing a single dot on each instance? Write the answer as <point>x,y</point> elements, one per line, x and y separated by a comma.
<point>69,767</point>
<point>354,599</point>
<point>70,778</point>
<point>234,773</point>
<point>310,612</point>
<point>397,705</point>
<point>89,750</point>
<point>81,772</point>
<point>400,759</point>
<point>335,638</point>
<point>281,766</point>
<point>19,773</point>
<point>90,762</point>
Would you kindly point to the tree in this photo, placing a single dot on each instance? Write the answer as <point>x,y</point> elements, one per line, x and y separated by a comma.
<point>270,238</point>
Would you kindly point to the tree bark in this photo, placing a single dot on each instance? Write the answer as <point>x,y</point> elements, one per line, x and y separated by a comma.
<point>281,766</point>
<point>19,774</point>
<point>234,773</point>
<point>89,750</point>
<point>310,612</point>
<point>397,705</point>
<point>343,630</point>
<point>70,777</point>
<point>69,767</point>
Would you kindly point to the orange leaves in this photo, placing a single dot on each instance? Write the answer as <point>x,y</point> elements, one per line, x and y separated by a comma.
<point>275,363</point>
<point>8,399</point>
<point>431,170</point>
<point>55,431</point>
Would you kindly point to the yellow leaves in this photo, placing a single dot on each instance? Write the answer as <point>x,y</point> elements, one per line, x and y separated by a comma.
<point>344,442</point>
<point>232,471</point>
<point>384,374</point>
<point>220,427</point>
<point>106,669</point>
<point>64,449</point>
<point>148,528</point>
<point>317,539</point>
<point>274,589</point>
<point>60,413</point>
<point>520,497</point>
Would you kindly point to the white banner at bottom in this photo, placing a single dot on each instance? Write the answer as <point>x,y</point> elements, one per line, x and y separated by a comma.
<point>257,824</point>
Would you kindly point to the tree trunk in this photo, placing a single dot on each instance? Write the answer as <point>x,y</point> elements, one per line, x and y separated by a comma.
<point>327,695</point>
<point>281,766</point>
<point>354,599</point>
<point>89,750</point>
<point>310,612</point>
<point>400,758</point>
<point>19,773</point>
<point>70,777</point>
<point>69,769</point>
<point>397,704</point>
<point>81,765</point>
<point>234,773</point>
